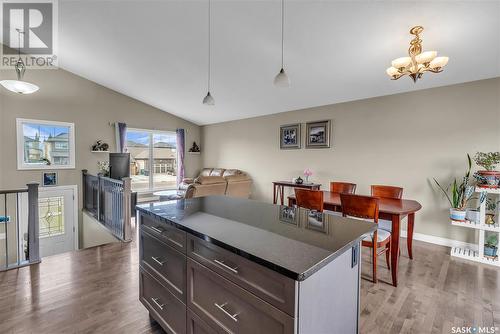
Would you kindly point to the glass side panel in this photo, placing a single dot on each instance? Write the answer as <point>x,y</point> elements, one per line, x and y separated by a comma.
<point>164,161</point>
<point>51,216</point>
<point>138,144</point>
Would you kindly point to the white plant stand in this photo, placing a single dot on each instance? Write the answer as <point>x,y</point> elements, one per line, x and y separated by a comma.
<point>481,227</point>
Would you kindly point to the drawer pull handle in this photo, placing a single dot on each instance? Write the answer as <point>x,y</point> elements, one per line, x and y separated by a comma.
<point>232,316</point>
<point>222,264</point>
<point>156,229</point>
<point>155,300</point>
<point>157,260</point>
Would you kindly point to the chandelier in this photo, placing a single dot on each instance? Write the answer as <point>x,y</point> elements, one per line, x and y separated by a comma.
<point>418,62</point>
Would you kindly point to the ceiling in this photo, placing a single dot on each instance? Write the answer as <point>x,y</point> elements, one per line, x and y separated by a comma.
<point>335,51</point>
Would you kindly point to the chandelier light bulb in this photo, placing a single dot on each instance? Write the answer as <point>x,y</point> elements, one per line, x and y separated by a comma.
<point>417,63</point>
<point>439,62</point>
<point>425,57</point>
<point>401,62</point>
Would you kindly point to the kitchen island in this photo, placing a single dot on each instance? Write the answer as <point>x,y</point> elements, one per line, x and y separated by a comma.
<point>224,265</point>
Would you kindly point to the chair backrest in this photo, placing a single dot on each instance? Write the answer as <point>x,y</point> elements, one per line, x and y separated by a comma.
<point>365,207</point>
<point>309,199</point>
<point>387,191</point>
<point>342,187</point>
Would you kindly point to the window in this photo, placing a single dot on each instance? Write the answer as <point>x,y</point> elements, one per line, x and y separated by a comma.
<point>45,144</point>
<point>51,213</point>
<point>153,159</point>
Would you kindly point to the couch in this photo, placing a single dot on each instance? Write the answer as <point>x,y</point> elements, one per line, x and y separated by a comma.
<point>217,181</point>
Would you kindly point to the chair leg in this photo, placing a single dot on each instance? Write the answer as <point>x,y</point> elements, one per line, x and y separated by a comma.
<point>387,255</point>
<point>374,258</point>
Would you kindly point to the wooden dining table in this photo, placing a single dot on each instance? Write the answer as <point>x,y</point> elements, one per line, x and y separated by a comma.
<point>390,209</point>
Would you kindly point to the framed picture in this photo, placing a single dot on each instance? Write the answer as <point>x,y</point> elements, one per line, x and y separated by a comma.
<point>318,134</point>
<point>288,215</point>
<point>45,144</point>
<point>316,221</point>
<point>290,136</point>
<point>49,179</point>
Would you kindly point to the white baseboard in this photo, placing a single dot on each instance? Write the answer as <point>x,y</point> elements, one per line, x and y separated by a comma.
<point>439,240</point>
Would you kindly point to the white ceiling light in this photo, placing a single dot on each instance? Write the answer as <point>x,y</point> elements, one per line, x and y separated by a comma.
<point>19,86</point>
<point>208,99</point>
<point>281,79</point>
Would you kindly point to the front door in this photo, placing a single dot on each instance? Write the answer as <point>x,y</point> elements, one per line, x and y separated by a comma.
<point>56,216</point>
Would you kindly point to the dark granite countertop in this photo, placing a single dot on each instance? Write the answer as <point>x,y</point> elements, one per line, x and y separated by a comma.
<point>294,242</point>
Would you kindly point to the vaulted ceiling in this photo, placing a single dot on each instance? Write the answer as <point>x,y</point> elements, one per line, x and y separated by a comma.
<point>335,51</point>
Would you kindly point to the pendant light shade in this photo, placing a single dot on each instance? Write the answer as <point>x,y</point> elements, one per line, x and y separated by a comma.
<point>208,100</point>
<point>19,86</point>
<point>281,79</point>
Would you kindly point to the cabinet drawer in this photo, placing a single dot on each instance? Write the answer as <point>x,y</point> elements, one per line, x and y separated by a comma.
<point>223,304</point>
<point>169,311</point>
<point>274,288</point>
<point>197,326</point>
<point>168,233</point>
<point>164,262</point>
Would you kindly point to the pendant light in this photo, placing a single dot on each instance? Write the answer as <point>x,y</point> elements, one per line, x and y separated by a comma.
<point>19,86</point>
<point>281,79</point>
<point>209,100</point>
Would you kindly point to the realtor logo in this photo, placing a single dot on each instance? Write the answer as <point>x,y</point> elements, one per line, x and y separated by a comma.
<point>29,27</point>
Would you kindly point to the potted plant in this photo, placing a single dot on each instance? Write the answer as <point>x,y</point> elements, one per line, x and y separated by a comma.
<point>459,194</point>
<point>488,177</point>
<point>474,215</point>
<point>490,246</point>
<point>491,206</point>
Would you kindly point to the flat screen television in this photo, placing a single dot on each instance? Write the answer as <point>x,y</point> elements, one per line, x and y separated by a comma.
<point>119,165</point>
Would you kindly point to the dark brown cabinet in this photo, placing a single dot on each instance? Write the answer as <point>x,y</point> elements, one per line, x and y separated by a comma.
<point>190,285</point>
<point>224,304</point>
<point>165,263</point>
<point>169,311</point>
<point>276,289</point>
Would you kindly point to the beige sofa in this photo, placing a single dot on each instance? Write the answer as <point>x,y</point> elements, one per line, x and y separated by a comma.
<point>217,181</point>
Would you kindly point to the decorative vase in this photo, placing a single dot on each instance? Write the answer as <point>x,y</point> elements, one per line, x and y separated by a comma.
<point>473,216</point>
<point>490,251</point>
<point>488,178</point>
<point>307,179</point>
<point>489,219</point>
<point>457,214</point>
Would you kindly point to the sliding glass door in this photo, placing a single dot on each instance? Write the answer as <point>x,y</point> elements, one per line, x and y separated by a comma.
<point>153,159</point>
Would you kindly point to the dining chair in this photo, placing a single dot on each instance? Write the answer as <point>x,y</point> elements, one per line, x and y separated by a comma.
<point>309,199</point>
<point>342,187</point>
<point>394,193</point>
<point>387,191</point>
<point>366,208</point>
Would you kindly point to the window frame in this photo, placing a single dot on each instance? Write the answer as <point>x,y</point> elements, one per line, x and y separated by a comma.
<point>151,156</point>
<point>22,165</point>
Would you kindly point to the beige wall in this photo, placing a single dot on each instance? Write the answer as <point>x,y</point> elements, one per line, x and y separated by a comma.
<point>66,97</point>
<point>405,139</point>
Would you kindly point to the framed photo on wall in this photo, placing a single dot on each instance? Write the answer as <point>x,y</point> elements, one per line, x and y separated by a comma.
<point>318,134</point>
<point>290,136</point>
<point>49,179</point>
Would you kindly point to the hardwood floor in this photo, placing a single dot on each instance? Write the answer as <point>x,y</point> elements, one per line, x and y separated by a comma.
<point>96,291</point>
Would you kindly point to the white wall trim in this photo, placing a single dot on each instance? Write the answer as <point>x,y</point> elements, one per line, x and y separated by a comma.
<point>439,240</point>
<point>74,188</point>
